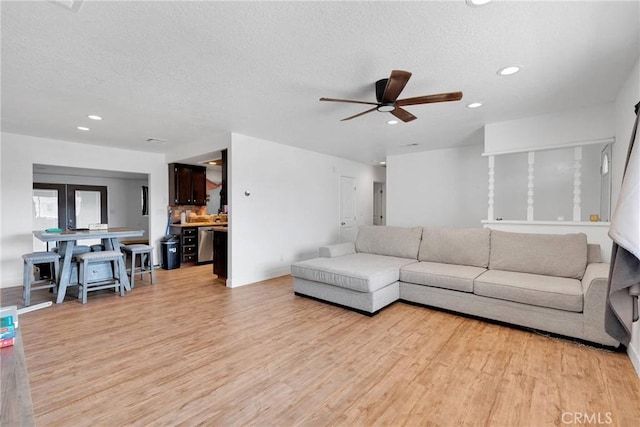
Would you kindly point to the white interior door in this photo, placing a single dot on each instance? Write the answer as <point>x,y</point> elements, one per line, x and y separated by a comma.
<point>348,229</point>
<point>379,204</point>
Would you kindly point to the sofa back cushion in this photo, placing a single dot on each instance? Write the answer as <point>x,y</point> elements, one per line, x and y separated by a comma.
<point>463,246</point>
<point>561,255</point>
<point>400,242</point>
<point>593,253</point>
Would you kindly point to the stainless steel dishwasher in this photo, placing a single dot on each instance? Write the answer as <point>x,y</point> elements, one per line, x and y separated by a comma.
<point>205,245</point>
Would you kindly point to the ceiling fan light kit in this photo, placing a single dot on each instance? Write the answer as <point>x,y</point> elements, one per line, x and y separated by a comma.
<point>387,92</point>
<point>386,108</point>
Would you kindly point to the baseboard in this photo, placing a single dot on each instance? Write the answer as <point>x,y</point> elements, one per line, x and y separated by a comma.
<point>553,335</point>
<point>635,359</point>
<point>335,304</point>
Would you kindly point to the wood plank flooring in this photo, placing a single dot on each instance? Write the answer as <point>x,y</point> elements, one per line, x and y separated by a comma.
<point>189,351</point>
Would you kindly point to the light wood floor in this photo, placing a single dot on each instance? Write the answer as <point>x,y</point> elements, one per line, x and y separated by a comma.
<point>190,351</point>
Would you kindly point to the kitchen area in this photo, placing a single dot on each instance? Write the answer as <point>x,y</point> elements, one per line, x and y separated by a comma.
<point>197,220</point>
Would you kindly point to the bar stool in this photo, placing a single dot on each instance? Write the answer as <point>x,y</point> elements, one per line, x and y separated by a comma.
<point>146,253</point>
<point>77,250</point>
<point>37,258</point>
<point>86,285</point>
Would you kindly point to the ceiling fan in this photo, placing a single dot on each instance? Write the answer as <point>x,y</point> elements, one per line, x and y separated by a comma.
<point>387,92</point>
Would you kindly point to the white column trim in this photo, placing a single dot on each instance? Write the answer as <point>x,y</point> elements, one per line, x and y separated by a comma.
<point>490,215</point>
<point>577,183</point>
<point>531,159</point>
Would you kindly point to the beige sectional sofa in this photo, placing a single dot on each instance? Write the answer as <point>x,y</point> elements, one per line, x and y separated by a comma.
<point>554,283</point>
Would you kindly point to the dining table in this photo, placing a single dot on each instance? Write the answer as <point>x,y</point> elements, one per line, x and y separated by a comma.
<point>67,239</point>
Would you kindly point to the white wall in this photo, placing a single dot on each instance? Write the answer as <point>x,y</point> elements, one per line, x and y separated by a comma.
<point>550,130</point>
<point>20,152</point>
<point>628,96</point>
<point>625,117</point>
<point>293,207</point>
<point>442,188</point>
<point>123,197</point>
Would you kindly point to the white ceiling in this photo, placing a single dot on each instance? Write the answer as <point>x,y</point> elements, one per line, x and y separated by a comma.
<point>184,71</point>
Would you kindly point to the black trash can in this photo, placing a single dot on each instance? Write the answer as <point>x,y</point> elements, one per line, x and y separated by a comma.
<point>170,251</point>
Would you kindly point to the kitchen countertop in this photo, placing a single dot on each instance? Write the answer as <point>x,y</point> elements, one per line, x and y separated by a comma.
<point>201,224</point>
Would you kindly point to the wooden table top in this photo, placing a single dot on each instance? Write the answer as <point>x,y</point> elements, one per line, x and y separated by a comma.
<point>87,234</point>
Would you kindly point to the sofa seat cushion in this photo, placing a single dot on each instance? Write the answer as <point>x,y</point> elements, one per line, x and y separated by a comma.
<point>534,289</point>
<point>448,276</point>
<point>359,272</point>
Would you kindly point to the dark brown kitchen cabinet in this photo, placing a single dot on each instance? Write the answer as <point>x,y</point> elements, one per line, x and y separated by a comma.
<point>188,242</point>
<point>199,185</point>
<point>220,252</point>
<point>187,184</point>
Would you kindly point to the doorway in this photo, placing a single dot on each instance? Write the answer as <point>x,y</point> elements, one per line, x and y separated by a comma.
<point>379,204</point>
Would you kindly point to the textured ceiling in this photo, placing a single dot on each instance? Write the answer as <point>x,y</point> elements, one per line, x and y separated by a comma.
<point>186,71</point>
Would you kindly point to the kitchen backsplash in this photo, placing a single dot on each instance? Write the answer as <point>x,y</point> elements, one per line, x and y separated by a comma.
<point>189,211</point>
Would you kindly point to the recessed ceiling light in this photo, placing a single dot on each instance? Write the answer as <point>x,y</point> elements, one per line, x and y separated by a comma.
<point>72,5</point>
<point>474,3</point>
<point>475,105</point>
<point>94,117</point>
<point>392,122</point>
<point>83,128</point>
<point>507,71</point>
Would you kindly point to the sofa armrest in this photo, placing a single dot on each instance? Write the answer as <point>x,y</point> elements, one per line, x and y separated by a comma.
<point>594,286</point>
<point>595,274</point>
<point>340,249</point>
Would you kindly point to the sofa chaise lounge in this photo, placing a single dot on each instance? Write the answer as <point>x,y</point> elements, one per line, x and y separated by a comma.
<point>554,283</point>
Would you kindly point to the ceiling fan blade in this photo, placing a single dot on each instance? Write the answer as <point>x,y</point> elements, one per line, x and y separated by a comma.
<point>360,114</point>
<point>428,99</point>
<point>395,84</point>
<point>403,114</point>
<point>348,100</point>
